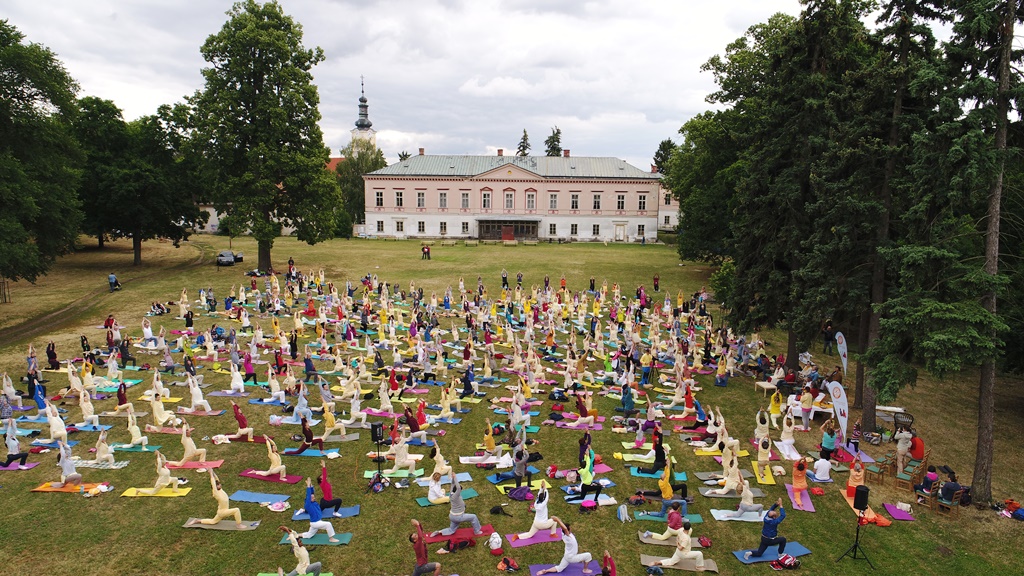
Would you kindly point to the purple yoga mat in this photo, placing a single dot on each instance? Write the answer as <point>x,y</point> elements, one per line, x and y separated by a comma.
<point>806,499</point>
<point>898,514</point>
<point>14,466</point>
<point>540,537</point>
<point>572,570</point>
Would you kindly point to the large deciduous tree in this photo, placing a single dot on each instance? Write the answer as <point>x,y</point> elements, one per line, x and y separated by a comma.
<point>256,128</point>
<point>39,158</point>
<point>103,137</point>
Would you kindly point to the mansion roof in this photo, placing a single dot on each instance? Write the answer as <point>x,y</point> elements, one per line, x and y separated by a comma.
<point>556,167</point>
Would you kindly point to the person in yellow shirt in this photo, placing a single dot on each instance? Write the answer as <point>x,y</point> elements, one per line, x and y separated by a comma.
<point>775,408</point>
<point>646,365</point>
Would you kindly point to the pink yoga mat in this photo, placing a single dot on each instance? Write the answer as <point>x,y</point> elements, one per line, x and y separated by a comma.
<point>186,412</point>
<point>574,416</point>
<point>196,465</point>
<point>14,466</point>
<point>542,537</point>
<point>378,413</point>
<point>805,498</point>
<point>288,479</point>
<point>602,468</point>
<point>898,514</point>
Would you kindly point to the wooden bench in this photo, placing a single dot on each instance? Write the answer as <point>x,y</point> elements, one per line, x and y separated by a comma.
<point>510,242</point>
<point>472,242</point>
<point>490,242</point>
<point>427,242</point>
<point>448,243</point>
<point>530,242</point>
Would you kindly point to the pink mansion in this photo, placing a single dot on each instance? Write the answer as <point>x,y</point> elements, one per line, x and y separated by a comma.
<point>510,197</point>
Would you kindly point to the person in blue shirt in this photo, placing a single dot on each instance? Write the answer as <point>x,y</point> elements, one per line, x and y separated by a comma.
<point>770,532</point>
<point>316,521</point>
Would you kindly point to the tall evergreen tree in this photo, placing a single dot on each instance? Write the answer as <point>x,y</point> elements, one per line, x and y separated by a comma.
<point>662,155</point>
<point>553,143</point>
<point>524,145</point>
<point>256,120</point>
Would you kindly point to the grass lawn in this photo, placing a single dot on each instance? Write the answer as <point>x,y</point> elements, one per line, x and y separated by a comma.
<point>65,534</point>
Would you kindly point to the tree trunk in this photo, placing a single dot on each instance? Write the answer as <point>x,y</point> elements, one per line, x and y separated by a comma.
<point>982,481</point>
<point>862,339</point>
<point>263,260</point>
<point>137,249</point>
<point>99,240</point>
<point>792,360</point>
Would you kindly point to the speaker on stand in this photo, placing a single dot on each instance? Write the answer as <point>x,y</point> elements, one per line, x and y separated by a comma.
<point>860,504</point>
<point>377,436</point>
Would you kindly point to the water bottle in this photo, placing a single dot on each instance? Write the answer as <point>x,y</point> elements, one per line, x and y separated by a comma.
<point>81,489</point>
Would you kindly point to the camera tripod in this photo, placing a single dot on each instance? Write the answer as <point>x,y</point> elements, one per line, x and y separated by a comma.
<point>856,547</point>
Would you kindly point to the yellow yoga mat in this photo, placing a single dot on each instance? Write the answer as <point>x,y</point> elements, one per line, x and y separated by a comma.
<point>163,493</point>
<point>765,479</point>
<point>741,453</point>
<point>168,400</point>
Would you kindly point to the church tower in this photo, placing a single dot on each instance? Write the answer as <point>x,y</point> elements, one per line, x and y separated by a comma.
<point>364,128</point>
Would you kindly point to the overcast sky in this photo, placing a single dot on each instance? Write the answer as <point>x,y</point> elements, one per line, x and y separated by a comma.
<point>451,76</point>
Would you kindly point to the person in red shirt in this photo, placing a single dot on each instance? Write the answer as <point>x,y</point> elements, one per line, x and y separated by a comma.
<point>607,565</point>
<point>326,500</point>
<point>423,564</point>
<point>243,424</point>
<point>917,448</point>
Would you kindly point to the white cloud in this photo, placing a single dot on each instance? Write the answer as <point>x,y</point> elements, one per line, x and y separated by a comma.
<point>451,76</point>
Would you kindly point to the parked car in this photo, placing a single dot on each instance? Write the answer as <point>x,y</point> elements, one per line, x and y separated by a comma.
<point>228,258</point>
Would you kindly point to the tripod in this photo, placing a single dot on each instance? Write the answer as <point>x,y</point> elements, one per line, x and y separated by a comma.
<point>855,547</point>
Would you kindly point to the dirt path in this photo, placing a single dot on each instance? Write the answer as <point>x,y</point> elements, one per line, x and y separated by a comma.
<point>63,316</point>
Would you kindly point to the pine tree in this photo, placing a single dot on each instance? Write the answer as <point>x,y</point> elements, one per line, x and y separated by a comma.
<point>524,145</point>
<point>553,143</point>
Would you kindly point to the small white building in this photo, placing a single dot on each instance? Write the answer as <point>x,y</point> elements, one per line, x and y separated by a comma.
<point>511,197</point>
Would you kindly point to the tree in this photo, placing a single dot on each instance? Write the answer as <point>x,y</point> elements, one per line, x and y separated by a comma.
<point>553,143</point>
<point>103,136</point>
<point>361,157</point>
<point>256,124</point>
<point>403,156</point>
<point>524,145</point>
<point>39,158</point>
<point>663,153</point>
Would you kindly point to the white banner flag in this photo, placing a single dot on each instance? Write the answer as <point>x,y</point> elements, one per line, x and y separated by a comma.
<point>841,347</point>
<point>840,405</point>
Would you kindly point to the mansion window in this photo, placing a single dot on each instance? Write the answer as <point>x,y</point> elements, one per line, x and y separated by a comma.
<point>640,229</point>
<point>597,229</point>
<point>465,199</point>
<point>486,204</point>
<point>531,201</point>
<point>668,199</point>
<point>553,202</point>
<point>444,227</point>
<point>421,226</point>
<point>597,201</point>
<point>509,201</point>
<point>552,229</point>
<point>421,199</point>
<point>399,226</point>
<point>398,198</point>
<point>620,203</point>
<point>442,199</point>
<point>668,220</point>
<point>574,229</point>
<point>380,225</point>
<point>379,198</point>
<point>465,227</point>
<point>574,202</point>
<point>642,202</point>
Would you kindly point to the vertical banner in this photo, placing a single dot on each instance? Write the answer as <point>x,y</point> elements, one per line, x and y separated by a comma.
<point>840,404</point>
<point>841,347</point>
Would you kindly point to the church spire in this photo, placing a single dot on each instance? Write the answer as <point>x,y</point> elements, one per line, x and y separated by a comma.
<point>363,123</point>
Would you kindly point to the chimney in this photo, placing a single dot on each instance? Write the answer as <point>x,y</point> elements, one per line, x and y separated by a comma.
<point>421,151</point>
<point>654,169</point>
<point>501,152</point>
<point>565,153</point>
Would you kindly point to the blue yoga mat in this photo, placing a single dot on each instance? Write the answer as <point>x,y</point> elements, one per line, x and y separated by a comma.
<point>448,420</point>
<point>257,497</point>
<point>312,452</point>
<point>771,554</point>
<point>418,442</point>
<point>345,513</point>
<point>505,476</point>
<point>91,428</point>
<point>53,444</point>
<point>268,403</point>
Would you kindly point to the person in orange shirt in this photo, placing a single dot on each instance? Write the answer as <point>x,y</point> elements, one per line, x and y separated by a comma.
<point>799,483</point>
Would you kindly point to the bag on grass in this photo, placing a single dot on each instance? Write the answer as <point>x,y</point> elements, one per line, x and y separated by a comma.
<point>521,494</point>
<point>1018,514</point>
<point>637,500</point>
<point>704,541</point>
<point>623,514</point>
<point>456,544</point>
<point>655,570</point>
<point>494,543</point>
<point>588,506</point>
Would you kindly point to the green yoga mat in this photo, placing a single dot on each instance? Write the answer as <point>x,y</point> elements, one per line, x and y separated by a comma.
<point>322,539</point>
<point>403,473</point>
<point>467,493</point>
<point>693,518</point>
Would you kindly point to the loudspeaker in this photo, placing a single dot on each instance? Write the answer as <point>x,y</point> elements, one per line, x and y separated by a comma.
<point>860,499</point>
<point>377,432</point>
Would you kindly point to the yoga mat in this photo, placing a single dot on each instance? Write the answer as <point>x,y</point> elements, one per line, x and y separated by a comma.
<point>79,463</point>
<point>740,454</point>
<point>167,400</point>
<point>898,514</point>
<point>689,564</point>
<point>805,498</point>
<point>150,429</point>
<point>794,549</point>
<point>561,424</point>
<point>768,479</point>
<point>705,476</point>
<point>706,491</point>
<point>67,489</point>
<point>460,534</point>
<point>603,468</point>
<point>418,442</point>
<point>500,477</point>
<point>467,493</point>
<point>163,493</point>
<point>268,402</point>
<point>693,518</point>
<point>670,541</point>
<point>403,473</point>
<point>602,500</point>
<point>136,448</point>
<point>257,497</point>
<point>452,421</point>
<point>312,452</point>
<point>541,537</point>
<point>26,419</point>
<point>572,570</point>
<point>534,485</point>
<point>228,394</point>
<point>197,465</point>
<point>14,466</point>
<point>295,421</point>
<point>322,539</point>
<point>288,479</point>
<point>723,515</point>
<point>676,476</point>
<point>445,479</point>
<point>345,513</point>
<point>53,444</point>
<point>122,414</point>
<point>183,410</point>
<point>228,525</point>
<point>89,428</point>
<point>340,438</point>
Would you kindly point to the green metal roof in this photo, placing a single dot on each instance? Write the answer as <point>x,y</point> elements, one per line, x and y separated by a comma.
<point>545,166</point>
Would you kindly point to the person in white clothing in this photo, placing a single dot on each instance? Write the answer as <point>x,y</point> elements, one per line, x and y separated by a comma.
<point>197,396</point>
<point>683,550</point>
<point>822,471</point>
<point>571,554</point>
<point>540,516</point>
